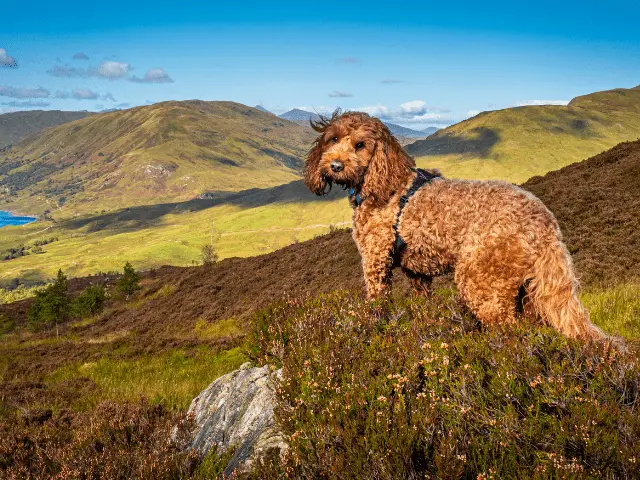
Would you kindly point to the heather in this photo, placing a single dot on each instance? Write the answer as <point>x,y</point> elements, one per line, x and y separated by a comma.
<point>417,389</point>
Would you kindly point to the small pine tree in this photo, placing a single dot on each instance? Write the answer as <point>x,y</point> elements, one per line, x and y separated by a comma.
<point>129,282</point>
<point>209,255</point>
<point>51,305</point>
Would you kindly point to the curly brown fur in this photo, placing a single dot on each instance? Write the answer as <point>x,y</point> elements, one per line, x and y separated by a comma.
<point>497,236</point>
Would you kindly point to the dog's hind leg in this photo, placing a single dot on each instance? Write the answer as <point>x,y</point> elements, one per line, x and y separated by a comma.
<point>492,300</point>
<point>421,285</point>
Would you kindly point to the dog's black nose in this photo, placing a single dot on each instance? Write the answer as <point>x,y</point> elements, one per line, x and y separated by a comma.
<point>337,166</point>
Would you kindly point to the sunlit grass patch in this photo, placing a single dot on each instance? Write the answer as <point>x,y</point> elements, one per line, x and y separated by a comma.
<point>173,378</point>
<point>616,309</point>
<point>228,327</point>
<point>19,293</point>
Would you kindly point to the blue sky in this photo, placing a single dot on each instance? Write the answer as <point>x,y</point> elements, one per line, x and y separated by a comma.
<point>414,63</point>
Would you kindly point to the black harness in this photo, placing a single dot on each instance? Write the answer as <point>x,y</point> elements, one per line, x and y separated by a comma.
<point>422,177</point>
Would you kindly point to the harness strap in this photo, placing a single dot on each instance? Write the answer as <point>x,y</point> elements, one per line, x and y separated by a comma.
<point>422,177</point>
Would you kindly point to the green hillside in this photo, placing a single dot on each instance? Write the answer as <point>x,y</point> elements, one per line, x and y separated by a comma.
<point>170,151</point>
<point>246,223</point>
<point>517,143</point>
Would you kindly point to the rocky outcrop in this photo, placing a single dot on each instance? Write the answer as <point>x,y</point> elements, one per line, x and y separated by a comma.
<point>236,411</point>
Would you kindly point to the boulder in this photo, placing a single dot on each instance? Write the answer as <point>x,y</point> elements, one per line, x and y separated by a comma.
<point>236,410</point>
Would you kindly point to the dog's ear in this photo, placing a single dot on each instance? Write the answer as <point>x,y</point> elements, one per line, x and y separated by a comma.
<point>313,179</point>
<point>387,171</point>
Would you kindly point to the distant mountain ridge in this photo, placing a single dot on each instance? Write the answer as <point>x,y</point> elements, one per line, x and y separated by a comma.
<point>302,117</point>
<point>17,125</point>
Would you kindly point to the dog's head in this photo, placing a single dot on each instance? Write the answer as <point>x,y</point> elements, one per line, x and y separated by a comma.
<point>357,151</point>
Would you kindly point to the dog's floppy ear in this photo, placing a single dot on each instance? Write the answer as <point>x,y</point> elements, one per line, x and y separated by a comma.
<point>387,171</point>
<point>313,179</point>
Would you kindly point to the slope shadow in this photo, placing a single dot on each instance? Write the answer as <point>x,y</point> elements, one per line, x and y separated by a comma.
<point>480,144</point>
<point>144,216</point>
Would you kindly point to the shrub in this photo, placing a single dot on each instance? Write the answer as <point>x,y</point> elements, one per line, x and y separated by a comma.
<point>129,282</point>
<point>415,389</point>
<point>113,441</point>
<point>90,301</point>
<point>208,255</point>
<point>7,324</point>
<point>51,305</point>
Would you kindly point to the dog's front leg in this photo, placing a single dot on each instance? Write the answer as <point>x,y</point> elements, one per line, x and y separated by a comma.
<point>376,265</point>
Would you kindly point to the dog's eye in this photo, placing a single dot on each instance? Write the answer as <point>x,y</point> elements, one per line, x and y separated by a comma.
<point>334,139</point>
<point>359,145</point>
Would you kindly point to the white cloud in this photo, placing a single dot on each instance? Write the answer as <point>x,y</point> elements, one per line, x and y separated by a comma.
<point>66,71</point>
<point>376,110</point>
<point>21,92</point>
<point>80,56</point>
<point>412,112</point>
<point>339,94</point>
<point>6,60</point>
<point>153,75</point>
<point>84,94</point>
<point>112,70</point>
<point>108,69</point>
<point>527,103</point>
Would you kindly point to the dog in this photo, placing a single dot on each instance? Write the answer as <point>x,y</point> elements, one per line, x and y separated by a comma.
<point>496,237</point>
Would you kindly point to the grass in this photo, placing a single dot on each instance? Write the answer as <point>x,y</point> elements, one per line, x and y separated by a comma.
<point>19,293</point>
<point>228,327</point>
<point>615,309</point>
<point>173,239</point>
<point>173,378</point>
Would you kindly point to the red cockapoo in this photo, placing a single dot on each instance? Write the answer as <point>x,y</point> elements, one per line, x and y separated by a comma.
<point>497,237</point>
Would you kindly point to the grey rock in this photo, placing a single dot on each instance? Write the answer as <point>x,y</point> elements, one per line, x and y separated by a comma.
<point>236,410</point>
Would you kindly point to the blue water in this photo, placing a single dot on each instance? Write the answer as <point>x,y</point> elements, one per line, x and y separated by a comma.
<point>7,219</point>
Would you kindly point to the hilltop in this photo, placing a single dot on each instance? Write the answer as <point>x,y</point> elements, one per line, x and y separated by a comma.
<point>17,125</point>
<point>170,151</point>
<point>517,143</point>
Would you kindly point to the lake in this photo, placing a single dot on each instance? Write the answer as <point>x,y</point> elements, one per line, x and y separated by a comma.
<point>6,218</point>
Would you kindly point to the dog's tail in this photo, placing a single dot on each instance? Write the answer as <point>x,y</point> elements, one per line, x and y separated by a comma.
<point>553,291</point>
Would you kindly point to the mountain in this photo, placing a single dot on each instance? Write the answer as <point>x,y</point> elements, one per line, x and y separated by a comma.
<point>518,143</point>
<point>170,151</point>
<point>18,125</point>
<point>400,131</point>
<point>301,117</point>
<point>262,109</point>
<point>430,130</point>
